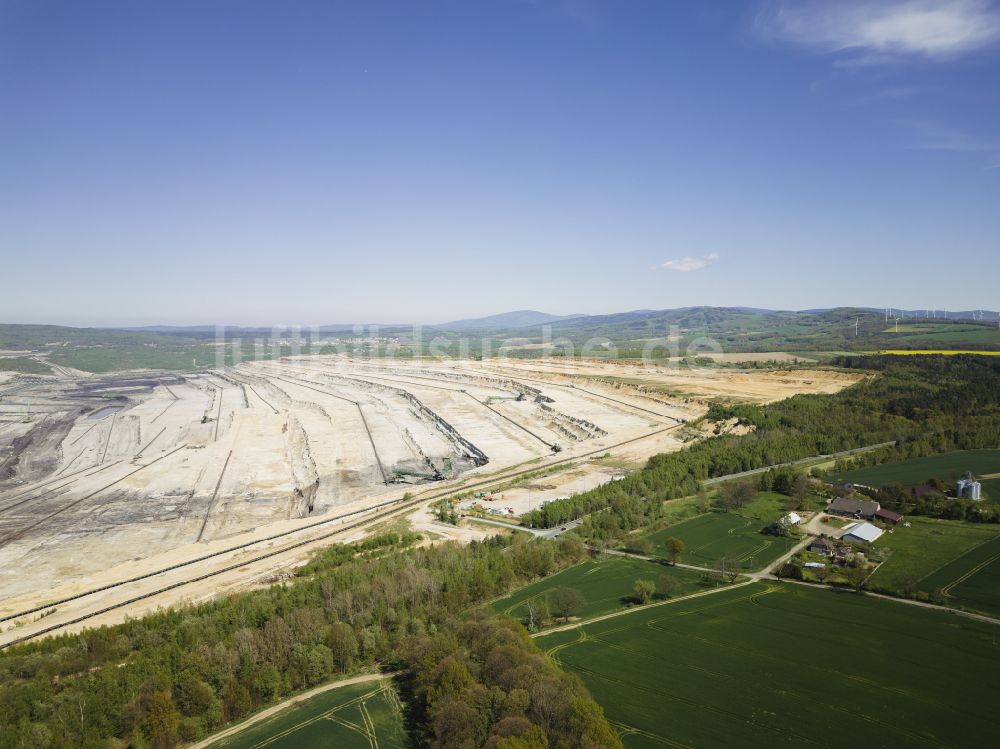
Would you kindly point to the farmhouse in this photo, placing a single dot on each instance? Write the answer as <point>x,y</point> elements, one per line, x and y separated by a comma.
<point>822,546</point>
<point>862,533</point>
<point>888,516</point>
<point>853,508</point>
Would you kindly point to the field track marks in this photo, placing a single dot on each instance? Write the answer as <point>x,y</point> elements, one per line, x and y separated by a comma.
<point>369,725</point>
<point>290,702</point>
<point>947,589</point>
<point>955,559</point>
<point>328,715</point>
<point>626,730</point>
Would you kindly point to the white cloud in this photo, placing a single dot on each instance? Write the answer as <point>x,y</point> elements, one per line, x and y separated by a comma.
<point>686,264</point>
<point>880,31</point>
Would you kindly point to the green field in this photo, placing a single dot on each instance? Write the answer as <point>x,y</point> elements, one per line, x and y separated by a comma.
<point>770,665</point>
<point>980,590</point>
<point>959,335</point>
<point>927,546</point>
<point>606,585</point>
<point>947,556</point>
<point>359,716</point>
<point>707,538</point>
<point>971,580</point>
<point>946,466</point>
<point>23,364</point>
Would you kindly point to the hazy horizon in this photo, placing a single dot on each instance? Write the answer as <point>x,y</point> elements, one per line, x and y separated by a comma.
<point>991,316</point>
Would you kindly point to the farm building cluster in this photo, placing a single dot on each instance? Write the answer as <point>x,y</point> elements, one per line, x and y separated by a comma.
<point>862,508</point>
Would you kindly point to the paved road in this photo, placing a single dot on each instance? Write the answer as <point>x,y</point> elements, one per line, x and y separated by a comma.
<point>540,532</point>
<point>768,572</point>
<point>755,471</point>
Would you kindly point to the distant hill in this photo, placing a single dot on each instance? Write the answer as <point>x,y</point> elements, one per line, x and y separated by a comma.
<point>507,320</point>
<point>685,331</point>
<point>747,329</point>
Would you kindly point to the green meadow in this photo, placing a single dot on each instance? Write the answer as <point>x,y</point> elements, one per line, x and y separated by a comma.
<point>710,537</point>
<point>606,585</point>
<point>927,546</point>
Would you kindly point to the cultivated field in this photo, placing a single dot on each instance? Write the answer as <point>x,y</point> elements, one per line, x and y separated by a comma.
<point>359,716</point>
<point>708,538</point>
<point>605,584</point>
<point>971,580</point>
<point>956,560</point>
<point>947,466</point>
<point>768,665</point>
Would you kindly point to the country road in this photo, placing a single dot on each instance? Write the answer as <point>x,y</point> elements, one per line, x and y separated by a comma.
<point>540,532</point>
<point>634,609</point>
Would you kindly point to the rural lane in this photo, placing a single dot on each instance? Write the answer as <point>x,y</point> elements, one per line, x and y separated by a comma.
<point>908,601</point>
<point>634,609</point>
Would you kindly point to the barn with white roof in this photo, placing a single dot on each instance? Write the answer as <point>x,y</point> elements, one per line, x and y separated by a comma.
<point>862,533</point>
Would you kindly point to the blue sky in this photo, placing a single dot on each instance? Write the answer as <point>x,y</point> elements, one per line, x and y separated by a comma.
<point>316,162</point>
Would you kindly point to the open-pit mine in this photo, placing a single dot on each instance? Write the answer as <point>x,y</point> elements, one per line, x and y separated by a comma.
<point>112,486</point>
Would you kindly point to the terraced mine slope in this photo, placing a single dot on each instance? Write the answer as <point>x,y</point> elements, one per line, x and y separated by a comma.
<point>103,478</point>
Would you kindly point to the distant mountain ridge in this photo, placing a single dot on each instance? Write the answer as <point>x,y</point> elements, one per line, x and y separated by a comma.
<point>507,320</point>
<point>691,317</point>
